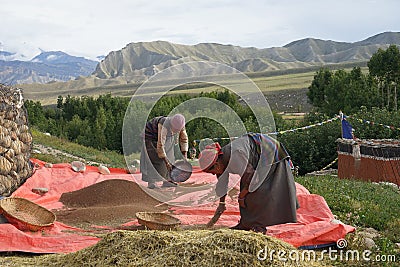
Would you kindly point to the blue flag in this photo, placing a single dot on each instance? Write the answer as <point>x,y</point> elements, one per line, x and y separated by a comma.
<point>347,129</point>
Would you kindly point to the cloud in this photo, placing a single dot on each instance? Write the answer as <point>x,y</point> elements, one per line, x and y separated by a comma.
<point>92,28</point>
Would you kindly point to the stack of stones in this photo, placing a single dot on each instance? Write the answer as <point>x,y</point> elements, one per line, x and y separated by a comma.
<point>15,141</point>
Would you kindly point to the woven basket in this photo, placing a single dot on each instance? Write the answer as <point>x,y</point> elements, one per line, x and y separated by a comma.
<point>25,214</point>
<point>157,220</point>
<point>181,171</point>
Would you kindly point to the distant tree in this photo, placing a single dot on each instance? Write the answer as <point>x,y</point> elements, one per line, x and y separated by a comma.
<point>314,148</point>
<point>384,66</point>
<point>73,128</point>
<point>319,86</point>
<point>99,129</point>
<point>60,101</point>
<point>359,91</point>
<point>331,92</point>
<point>35,112</point>
<point>335,93</point>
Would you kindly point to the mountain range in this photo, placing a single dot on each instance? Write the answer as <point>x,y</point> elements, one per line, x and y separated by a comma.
<point>138,61</point>
<point>43,68</point>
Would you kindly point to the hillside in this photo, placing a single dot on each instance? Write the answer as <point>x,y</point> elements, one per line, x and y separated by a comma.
<point>140,60</point>
<point>123,71</point>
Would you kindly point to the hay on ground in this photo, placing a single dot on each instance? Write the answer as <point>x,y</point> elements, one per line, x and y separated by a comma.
<point>222,247</point>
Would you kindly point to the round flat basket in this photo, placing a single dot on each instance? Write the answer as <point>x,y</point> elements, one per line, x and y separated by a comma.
<point>181,171</point>
<point>25,214</point>
<point>157,220</point>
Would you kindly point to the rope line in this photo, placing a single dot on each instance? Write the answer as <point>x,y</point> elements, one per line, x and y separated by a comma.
<point>374,123</point>
<point>195,142</point>
<point>330,164</point>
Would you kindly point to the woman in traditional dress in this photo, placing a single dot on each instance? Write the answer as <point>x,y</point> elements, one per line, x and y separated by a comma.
<point>267,188</point>
<point>157,156</point>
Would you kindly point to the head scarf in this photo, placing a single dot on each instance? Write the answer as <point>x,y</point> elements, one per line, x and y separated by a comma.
<point>209,156</point>
<point>177,122</point>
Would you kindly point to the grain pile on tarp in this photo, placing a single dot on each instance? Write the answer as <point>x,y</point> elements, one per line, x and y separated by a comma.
<point>15,141</point>
<point>179,248</point>
<point>108,202</point>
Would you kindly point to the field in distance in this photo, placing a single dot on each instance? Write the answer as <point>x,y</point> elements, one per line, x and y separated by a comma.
<point>284,91</point>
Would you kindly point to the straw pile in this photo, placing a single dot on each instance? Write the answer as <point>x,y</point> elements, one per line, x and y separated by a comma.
<point>15,141</point>
<point>176,248</point>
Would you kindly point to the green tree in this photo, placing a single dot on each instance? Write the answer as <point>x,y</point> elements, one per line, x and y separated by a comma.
<point>384,66</point>
<point>314,148</point>
<point>319,86</point>
<point>73,128</point>
<point>359,90</point>
<point>99,129</point>
<point>35,111</point>
<point>331,92</point>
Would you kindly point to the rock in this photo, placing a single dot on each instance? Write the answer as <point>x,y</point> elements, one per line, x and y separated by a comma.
<point>369,233</point>
<point>40,190</point>
<point>136,163</point>
<point>103,169</point>
<point>369,243</point>
<point>78,166</point>
<point>48,165</point>
<point>132,169</point>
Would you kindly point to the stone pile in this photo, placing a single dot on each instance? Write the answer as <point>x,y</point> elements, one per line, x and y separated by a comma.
<point>15,141</point>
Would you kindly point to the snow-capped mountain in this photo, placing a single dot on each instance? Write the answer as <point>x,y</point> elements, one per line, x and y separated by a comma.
<point>58,57</point>
<point>42,68</point>
<point>5,55</point>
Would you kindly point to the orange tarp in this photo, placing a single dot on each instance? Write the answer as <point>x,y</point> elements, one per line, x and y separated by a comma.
<point>315,226</point>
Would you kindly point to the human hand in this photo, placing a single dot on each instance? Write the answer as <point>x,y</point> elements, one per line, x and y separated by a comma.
<point>220,209</point>
<point>242,198</point>
<point>242,204</point>
<point>168,165</point>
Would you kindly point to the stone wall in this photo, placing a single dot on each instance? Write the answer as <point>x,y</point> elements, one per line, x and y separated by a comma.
<point>369,160</point>
<point>15,141</point>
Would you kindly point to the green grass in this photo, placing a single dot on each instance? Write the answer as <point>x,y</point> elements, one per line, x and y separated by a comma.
<point>363,205</point>
<point>267,82</point>
<point>109,158</point>
<point>359,203</point>
<point>52,158</point>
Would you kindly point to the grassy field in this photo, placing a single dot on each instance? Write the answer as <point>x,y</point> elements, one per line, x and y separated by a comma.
<point>109,158</point>
<point>268,82</point>
<point>371,207</point>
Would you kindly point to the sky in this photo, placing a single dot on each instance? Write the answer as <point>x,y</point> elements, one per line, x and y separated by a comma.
<point>93,28</point>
